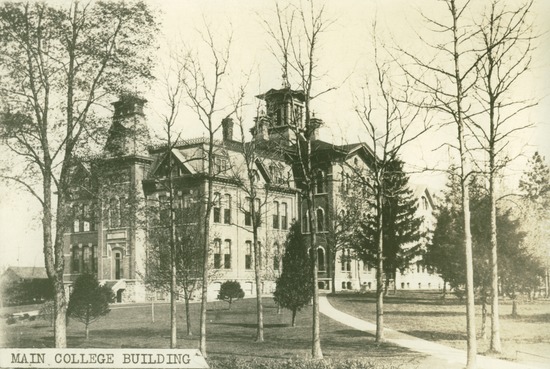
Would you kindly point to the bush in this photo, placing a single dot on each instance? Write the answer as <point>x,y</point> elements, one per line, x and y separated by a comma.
<point>230,291</point>
<point>11,320</point>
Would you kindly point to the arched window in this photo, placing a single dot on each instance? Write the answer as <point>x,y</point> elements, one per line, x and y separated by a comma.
<point>321,259</point>
<point>217,253</point>
<point>217,207</point>
<point>320,181</point>
<point>227,209</point>
<point>276,214</point>
<point>227,254</point>
<point>305,222</point>
<point>320,220</point>
<point>247,211</point>
<point>248,256</point>
<point>284,215</point>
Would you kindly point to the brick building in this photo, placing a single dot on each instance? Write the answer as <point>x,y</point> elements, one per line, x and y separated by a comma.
<point>109,233</point>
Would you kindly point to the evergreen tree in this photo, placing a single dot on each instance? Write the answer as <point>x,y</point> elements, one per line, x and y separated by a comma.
<point>294,287</point>
<point>89,300</point>
<point>400,222</point>
<point>535,188</point>
<point>230,291</point>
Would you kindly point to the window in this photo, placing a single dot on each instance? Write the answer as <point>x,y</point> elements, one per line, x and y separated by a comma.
<point>86,217</point>
<point>227,254</point>
<point>118,265</point>
<point>346,260</point>
<point>418,267</point>
<point>320,220</point>
<point>367,267</point>
<point>217,254</point>
<point>321,259</point>
<point>284,215</point>
<point>217,208</point>
<point>349,286</point>
<point>114,213</point>
<point>248,212</point>
<point>94,259</point>
<point>87,256</point>
<point>220,165</point>
<point>76,260</point>
<point>305,222</point>
<point>343,285</point>
<point>248,256</point>
<point>227,210</point>
<point>320,181</point>
<point>124,213</point>
<point>276,215</point>
<point>164,209</point>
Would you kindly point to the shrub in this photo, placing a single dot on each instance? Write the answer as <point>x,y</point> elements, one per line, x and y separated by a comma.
<point>11,320</point>
<point>230,291</point>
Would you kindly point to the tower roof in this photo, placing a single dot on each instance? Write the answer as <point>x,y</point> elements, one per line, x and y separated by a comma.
<point>282,92</point>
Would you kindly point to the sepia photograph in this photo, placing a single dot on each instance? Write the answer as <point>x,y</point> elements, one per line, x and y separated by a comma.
<point>275,184</point>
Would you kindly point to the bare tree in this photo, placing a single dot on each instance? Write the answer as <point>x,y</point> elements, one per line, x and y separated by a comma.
<point>248,180</point>
<point>506,44</point>
<point>390,123</point>
<point>202,80</point>
<point>60,62</point>
<point>296,36</point>
<point>448,82</point>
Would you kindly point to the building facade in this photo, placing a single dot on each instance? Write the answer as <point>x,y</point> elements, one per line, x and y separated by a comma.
<point>111,195</point>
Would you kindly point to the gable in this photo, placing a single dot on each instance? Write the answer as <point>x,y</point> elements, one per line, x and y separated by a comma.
<point>178,162</point>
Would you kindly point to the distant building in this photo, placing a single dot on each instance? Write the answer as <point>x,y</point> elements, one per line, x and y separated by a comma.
<point>109,234</point>
<point>25,285</point>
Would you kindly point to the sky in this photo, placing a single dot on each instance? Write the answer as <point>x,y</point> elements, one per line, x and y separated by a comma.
<point>344,55</point>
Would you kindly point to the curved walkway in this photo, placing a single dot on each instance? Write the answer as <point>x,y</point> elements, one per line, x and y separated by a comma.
<point>453,357</point>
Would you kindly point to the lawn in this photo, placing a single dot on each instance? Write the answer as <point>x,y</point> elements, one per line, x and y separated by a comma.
<point>426,315</point>
<point>230,334</point>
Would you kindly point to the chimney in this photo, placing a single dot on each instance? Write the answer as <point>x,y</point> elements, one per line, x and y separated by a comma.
<point>259,131</point>
<point>314,124</point>
<point>227,129</point>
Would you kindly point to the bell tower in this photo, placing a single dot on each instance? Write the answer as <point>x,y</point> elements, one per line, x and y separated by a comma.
<point>128,135</point>
<point>283,116</point>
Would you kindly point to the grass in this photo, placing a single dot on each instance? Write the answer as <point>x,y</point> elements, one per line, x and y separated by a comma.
<point>230,334</point>
<point>425,315</point>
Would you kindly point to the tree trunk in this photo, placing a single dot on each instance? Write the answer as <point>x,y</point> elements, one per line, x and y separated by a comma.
<point>380,269</point>
<point>515,307</point>
<point>206,246</point>
<point>87,330</point>
<point>333,276</point>
<point>316,352</point>
<point>483,333</point>
<point>258,278</point>
<point>187,312</point>
<point>294,318</point>
<point>495,323</point>
<point>153,309</point>
<point>470,304</point>
<point>54,258</point>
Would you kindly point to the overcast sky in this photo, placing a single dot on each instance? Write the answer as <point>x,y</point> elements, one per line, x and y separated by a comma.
<point>344,59</point>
